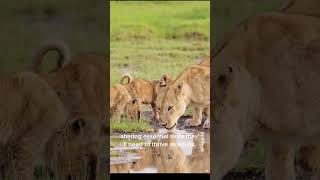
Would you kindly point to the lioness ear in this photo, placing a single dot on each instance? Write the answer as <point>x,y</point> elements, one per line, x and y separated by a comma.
<point>178,89</point>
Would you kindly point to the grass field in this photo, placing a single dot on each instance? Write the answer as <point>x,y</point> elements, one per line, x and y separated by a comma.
<point>227,14</point>
<point>129,126</point>
<point>149,39</point>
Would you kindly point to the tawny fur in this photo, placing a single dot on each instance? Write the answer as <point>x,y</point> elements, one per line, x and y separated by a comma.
<point>30,113</point>
<point>121,102</point>
<point>69,153</point>
<point>192,88</point>
<point>143,90</point>
<point>82,87</point>
<point>165,83</point>
<point>265,85</point>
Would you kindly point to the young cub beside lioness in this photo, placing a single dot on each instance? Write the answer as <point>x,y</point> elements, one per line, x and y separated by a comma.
<point>121,102</point>
<point>144,90</point>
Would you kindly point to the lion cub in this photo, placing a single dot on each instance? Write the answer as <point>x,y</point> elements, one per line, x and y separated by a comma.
<point>121,102</point>
<point>81,85</point>
<point>146,90</point>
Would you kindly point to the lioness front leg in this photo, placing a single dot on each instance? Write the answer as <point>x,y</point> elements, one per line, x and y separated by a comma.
<point>279,162</point>
<point>196,118</point>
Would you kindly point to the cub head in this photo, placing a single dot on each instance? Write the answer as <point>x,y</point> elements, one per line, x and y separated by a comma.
<point>164,80</point>
<point>133,109</point>
<point>76,86</point>
<point>174,104</point>
<point>72,151</point>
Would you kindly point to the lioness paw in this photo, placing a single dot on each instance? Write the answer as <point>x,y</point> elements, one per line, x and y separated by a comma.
<point>191,123</point>
<point>206,124</point>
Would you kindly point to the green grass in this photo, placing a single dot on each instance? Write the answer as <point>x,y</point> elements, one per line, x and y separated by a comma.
<point>128,126</point>
<point>149,39</point>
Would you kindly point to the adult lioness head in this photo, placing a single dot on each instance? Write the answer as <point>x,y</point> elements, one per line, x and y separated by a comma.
<point>174,103</point>
<point>161,89</point>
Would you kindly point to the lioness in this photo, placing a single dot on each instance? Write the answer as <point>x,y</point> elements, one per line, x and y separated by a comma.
<point>266,84</point>
<point>142,89</point>
<point>191,87</point>
<point>166,82</point>
<point>122,102</point>
<point>30,113</point>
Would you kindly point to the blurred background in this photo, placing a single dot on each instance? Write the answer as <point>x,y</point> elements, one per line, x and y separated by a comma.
<point>25,24</point>
<point>227,14</point>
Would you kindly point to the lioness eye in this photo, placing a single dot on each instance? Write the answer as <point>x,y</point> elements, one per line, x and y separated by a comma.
<point>158,108</point>
<point>169,108</point>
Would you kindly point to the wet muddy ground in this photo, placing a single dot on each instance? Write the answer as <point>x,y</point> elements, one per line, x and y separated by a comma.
<point>182,150</point>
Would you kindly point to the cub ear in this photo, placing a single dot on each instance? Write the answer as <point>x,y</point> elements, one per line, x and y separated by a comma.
<point>178,89</point>
<point>165,77</point>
